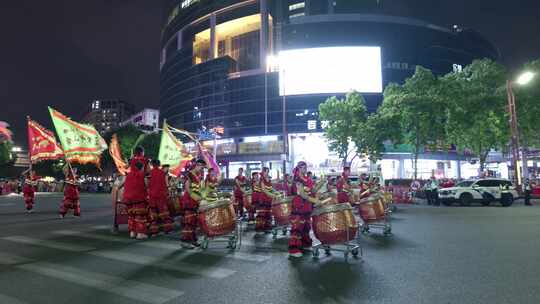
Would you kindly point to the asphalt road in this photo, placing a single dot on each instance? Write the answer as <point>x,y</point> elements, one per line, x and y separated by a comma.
<point>436,255</point>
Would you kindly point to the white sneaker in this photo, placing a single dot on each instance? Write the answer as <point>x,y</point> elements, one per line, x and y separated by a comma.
<point>62,216</point>
<point>31,211</point>
<point>132,234</point>
<point>296,255</point>
<point>141,236</point>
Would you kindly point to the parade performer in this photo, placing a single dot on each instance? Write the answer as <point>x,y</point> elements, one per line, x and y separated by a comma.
<point>287,185</point>
<point>29,190</point>
<point>211,183</point>
<point>135,195</point>
<point>263,221</point>
<point>71,193</point>
<point>240,183</point>
<point>302,206</point>
<point>256,192</point>
<point>190,204</point>
<point>158,196</point>
<point>343,186</point>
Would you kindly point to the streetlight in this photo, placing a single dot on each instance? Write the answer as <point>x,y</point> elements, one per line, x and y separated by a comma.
<point>522,80</point>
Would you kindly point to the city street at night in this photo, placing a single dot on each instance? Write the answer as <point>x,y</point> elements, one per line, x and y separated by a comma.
<point>436,255</point>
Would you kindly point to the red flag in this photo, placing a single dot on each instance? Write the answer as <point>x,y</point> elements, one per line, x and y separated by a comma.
<point>42,143</point>
<point>116,154</point>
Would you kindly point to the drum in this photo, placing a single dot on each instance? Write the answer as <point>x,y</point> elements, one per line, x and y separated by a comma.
<point>334,224</point>
<point>281,210</point>
<point>217,218</point>
<point>328,198</point>
<point>371,208</point>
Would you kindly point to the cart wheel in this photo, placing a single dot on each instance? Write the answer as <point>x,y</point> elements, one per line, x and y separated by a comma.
<point>387,231</point>
<point>346,255</point>
<point>327,251</point>
<point>316,253</point>
<point>355,252</point>
<point>204,244</point>
<point>284,232</point>
<point>232,244</point>
<point>365,229</point>
<point>114,229</point>
<point>274,234</point>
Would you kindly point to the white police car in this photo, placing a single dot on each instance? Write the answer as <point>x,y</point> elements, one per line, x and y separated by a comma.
<point>484,191</point>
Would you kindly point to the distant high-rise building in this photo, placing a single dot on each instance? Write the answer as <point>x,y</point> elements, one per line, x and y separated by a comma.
<point>107,114</point>
<point>146,120</point>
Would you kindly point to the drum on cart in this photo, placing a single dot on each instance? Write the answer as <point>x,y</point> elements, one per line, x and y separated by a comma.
<point>119,209</point>
<point>334,224</point>
<point>372,208</point>
<point>217,218</point>
<point>281,210</point>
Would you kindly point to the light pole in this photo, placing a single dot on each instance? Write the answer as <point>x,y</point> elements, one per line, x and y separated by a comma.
<point>523,79</point>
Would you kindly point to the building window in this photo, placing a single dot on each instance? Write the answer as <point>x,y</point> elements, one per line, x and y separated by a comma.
<point>238,39</point>
<point>296,6</point>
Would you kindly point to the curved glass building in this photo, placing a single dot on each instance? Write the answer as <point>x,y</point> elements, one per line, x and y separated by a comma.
<point>261,67</point>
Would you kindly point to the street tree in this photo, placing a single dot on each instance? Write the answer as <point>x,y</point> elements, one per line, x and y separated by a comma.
<point>416,113</point>
<point>477,108</point>
<point>346,118</point>
<point>528,106</point>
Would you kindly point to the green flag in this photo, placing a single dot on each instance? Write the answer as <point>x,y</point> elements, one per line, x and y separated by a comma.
<point>172,152</point>
<point>81,143</point>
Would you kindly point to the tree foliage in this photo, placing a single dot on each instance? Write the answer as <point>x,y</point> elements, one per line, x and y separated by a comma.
<point>477,117</point>
<point>528,106</point>
<point>6,155</point>
<point>345,118</point>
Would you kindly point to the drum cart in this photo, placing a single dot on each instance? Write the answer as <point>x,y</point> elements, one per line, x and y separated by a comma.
<point>373,219</point>
<point>332,238</point>
<point>233,239</point>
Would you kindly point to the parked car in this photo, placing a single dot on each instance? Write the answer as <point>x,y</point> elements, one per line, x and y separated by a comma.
<point>484,191</point>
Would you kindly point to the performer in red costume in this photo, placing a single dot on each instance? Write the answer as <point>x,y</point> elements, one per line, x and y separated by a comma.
<point>158,196</point>
<point>240,183</point>
<point>302,206</point>
<point>135,195</point>
<point>256,193</point>
<point>29,190</point>
<point>343,186</point>
<point>190,204</point>
<point>287,185</point>
<point>71,194</point>
<point>263,222</point>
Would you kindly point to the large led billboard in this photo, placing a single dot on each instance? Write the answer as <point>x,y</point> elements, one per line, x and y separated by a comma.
<point>330,70</point>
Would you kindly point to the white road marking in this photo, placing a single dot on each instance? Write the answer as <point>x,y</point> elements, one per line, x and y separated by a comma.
<point>7,205</point>
<point>47,243</point>
<point>9,300</point>
<point>126,288</point>
<point>9,259</point>
<point>211,272</point>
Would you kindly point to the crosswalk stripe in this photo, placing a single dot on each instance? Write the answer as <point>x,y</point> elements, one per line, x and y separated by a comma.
<point>7,205</point>
<point>101,227</point>
<point>9,259</point>
<point>126,288</point>
<point>107,238</point>
<point>9,300</point>
<point>211,272</point>
<point>47,243</point>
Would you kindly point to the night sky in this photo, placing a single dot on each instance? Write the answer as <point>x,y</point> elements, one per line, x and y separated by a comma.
<point>65,53</point>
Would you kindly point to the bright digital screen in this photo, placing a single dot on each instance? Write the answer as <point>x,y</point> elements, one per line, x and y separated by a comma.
<point>330,70</point>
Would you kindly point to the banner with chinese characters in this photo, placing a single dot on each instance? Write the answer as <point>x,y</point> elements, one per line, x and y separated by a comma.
<point>81,143</point>
<point>42,144</point>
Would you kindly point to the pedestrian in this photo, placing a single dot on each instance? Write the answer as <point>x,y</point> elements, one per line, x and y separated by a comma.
<point>528,190</point>
<point>135,195</point>
<point>71,194</point>
<point>190,204</point>
<point>263,223</point>
<point>302,206</point>
<point>240,183</point>
<point>158,196</point>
